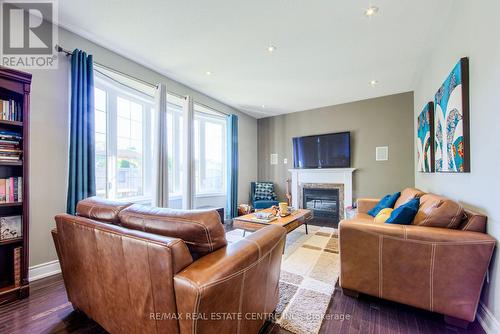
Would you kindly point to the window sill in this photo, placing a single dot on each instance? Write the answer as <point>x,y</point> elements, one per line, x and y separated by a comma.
<point>147,200</point>
<point>136,200</point>
<point>209,195</point>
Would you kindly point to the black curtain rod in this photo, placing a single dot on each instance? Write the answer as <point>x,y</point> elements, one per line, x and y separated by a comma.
<point>69,53</point>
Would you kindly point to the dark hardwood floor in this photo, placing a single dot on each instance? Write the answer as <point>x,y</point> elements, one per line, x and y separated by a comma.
<point>47,310</point>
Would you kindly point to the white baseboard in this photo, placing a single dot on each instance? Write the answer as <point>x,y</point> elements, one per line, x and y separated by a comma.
<point>44,270</point>
<point>487,320</point>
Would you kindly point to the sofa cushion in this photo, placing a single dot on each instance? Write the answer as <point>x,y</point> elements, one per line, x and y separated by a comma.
<point>438,211</point>
<point>386,202</point>
<point>100,209</point>
<point>264,204</point>
<point>405,213</point>
<point>407,195</point>
<point>201,230</point>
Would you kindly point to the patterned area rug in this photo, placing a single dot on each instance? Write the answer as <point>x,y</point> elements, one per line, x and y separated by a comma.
<point>309,272</point>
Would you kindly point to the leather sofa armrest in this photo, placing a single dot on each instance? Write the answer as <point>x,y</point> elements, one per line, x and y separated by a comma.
<point>437,269</point>
<point>239,278</point>
<point>366,204</point>
<point>55,238</point>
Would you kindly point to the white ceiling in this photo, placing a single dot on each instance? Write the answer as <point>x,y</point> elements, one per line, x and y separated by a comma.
<point>327,50</point>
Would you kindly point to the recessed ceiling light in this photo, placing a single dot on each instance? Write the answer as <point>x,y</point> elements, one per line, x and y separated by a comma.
<point>208,73</point>
<point>263,106</point>
<point>371,11</point>
<point>373,83</point>
<point>271,48</point>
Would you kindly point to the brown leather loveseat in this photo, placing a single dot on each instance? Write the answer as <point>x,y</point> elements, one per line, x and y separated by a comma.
<point>438,263</point>
<point>137,269</point>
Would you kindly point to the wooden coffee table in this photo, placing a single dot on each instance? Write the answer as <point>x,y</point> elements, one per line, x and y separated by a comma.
<point>290,222</point>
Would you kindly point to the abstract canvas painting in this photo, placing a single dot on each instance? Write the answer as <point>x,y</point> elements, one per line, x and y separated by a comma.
<point>451,121</point>
<point>425,139</point>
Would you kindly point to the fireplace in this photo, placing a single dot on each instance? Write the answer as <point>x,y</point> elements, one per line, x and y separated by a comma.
<point>324,203</point>
<point>325,200</point>
<point>339,179</point>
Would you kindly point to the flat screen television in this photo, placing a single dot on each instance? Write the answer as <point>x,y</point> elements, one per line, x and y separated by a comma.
<point>332,150</point>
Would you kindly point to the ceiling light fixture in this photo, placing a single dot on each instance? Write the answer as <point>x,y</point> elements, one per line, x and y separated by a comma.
<point>271,48</point>
<point>208,73</point>
<point>263,106</point>
<point>371,11</point>
<point>373,83</point>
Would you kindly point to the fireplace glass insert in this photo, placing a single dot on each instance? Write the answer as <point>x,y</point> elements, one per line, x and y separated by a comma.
<point>324,203</point>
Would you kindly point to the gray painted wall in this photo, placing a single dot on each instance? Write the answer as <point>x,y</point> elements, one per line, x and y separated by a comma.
<point>468,33</point>
<point>49,138</point>
<point>384,121</point>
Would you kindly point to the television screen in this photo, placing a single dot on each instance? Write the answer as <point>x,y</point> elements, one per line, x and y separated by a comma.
<point>322,151</point>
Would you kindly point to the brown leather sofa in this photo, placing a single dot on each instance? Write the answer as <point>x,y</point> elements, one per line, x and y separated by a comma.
<point>438,263</point>
<point>137,269</point>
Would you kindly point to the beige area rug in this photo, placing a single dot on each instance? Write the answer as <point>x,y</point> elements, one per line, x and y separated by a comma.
<point>309,272</point>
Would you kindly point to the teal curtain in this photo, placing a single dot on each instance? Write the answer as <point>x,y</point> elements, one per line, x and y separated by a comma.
<point>232,166</point>
<point>81,182</point>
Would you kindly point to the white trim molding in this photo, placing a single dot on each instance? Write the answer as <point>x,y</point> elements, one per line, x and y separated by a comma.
<point>43,270</point>
<point>487,320</point>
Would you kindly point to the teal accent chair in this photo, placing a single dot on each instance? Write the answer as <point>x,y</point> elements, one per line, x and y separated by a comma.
<point>260,204</point>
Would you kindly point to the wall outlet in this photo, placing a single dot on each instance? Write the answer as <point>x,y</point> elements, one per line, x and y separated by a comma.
<point>285,161</point>
<point>274,158</point>
<point>382,153</point>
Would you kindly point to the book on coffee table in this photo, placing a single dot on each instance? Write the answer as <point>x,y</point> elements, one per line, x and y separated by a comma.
<point>262,220</point>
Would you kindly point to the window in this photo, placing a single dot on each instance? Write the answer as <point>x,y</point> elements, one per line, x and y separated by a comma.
<point>209,152</point>
<point>124,114</point>
<point>130,142</point>
<point>123,144</point>
<point>175,150</point>
<point>100,141</point>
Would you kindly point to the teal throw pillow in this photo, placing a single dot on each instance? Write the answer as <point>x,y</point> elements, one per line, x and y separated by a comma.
<point>387,202</point>
<point>404,214</point>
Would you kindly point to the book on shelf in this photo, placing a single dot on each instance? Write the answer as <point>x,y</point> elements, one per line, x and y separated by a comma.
<point>17,266</point>
<point>11,110</point>
<point>10,146</point>
<point>11,190</point>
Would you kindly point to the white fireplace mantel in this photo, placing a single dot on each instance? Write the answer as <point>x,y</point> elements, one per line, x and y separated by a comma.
<point>322,175</point>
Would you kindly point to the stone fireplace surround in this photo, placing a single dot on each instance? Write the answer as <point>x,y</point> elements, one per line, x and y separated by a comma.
<point>321,178</point>
<point>338,186</point>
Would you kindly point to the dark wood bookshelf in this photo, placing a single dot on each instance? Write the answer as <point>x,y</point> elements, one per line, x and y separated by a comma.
<point>16,85</point>
<point>11,204</point>
<point>11,123</point>
<point>10,163</point>
<point>10,241</point>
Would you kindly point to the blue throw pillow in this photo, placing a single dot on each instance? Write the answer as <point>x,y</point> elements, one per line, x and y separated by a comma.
<point>404,214</point>
<point>387,202</point>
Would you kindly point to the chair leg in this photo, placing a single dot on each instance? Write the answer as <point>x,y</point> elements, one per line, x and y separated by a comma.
<point>350,293</point>
<point>244,232</point>
<point>307,232</point>
<point>460,323</point>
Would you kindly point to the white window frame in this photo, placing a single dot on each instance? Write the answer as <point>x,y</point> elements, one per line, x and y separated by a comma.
<point>113,91</point>
<point>175,108</point>
<point>204,113</point>
<point>115,88</point>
